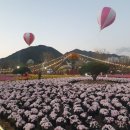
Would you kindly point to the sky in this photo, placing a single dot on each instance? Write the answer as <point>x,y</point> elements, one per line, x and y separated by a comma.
<point>64,25</point>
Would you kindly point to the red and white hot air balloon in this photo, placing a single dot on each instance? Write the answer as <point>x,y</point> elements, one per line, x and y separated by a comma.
<point>106,17</point>
<point>29,38</point>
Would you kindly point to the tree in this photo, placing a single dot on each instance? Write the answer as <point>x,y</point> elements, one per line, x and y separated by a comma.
<point>100,54</point>
<point>46,56</point>
<point>30,62</point>
<point>73,57</point>
<point>94,69</point>
<point>21,70</point>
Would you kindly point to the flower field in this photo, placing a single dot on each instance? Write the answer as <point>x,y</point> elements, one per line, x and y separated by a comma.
<point>66,104</point>
<point>5,77</point>
<point>13,77</point>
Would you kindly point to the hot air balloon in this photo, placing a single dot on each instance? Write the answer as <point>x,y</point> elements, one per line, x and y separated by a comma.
<point>106,17</point>
<point>29,38</point>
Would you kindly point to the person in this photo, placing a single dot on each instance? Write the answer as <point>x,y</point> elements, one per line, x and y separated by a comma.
<point>39,75</point>
<point>26,76</point>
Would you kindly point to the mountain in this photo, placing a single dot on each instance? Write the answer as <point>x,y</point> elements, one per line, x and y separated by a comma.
<point>42,53</point>
<point>38,54</point>
<point>95,54</point>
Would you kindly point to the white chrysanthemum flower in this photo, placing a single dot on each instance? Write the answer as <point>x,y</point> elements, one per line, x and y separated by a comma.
<point>123,112</point>
<point>83,115</point>
<point>109,120</point>
<point>56,109</point>
<point>26,104</point>
<point>95,103</point>
<point>100,94</point>
<point>73,119</point>
<point>46,125</point>
<point>20,123</point>
<point>108,127</point>
<point>82,127</point>
<point>34,111</point>
<point>60,120</point>
<point>122,118</point>
<point>125,99</point>
<point>27,113</point>
<point>59,128</point>
<point>114,113</point>
<point>93,108</point>
<point>40,114</point>
<point>53,115</point>
<point>128,104</point>
<point>78,109</point>
<point>2,109</point>
<point>117,104</point>
<point>85,104</point>
<point>114,100</point>
<point>104,103</point>
<point>121,124</point>
<point>94,124</point>
<point>83,95</point>
<point>66,114</point>
<point>33,118</point>
<point>29,126</point>
<point>104,112</point>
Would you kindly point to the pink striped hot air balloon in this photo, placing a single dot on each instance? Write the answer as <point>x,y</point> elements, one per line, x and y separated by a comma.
<point>29,38</point>
<point>106,17</point>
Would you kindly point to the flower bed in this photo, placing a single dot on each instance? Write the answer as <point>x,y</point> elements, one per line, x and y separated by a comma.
<point>62,104</point>
<point>120,75</point>
<point>7,77</point>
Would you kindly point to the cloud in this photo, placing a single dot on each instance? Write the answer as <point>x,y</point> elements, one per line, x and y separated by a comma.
<point>123,50</point>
